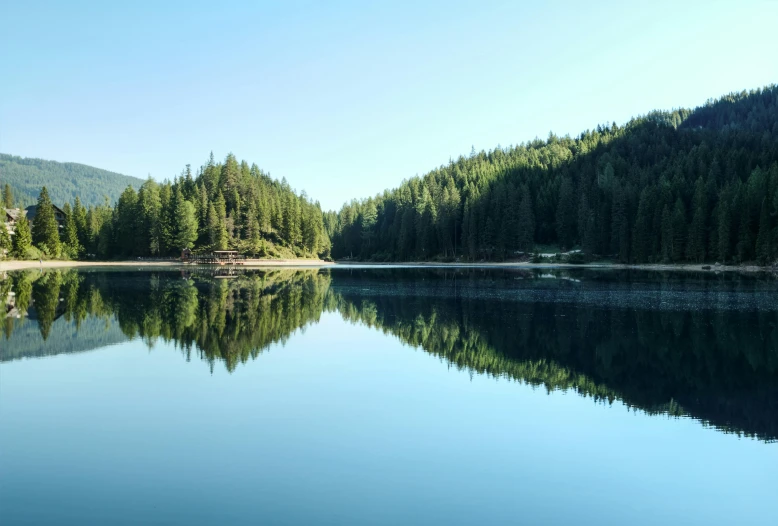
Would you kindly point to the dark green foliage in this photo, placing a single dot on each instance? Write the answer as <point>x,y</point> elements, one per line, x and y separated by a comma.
<point>763,252</point>
<point>70,243</point>
<point>8,196</point>
<point>45,229</point>
<point>229,206</point>
<point>526,222</point>
<point>685,186</point>
<point>5,242</point>
<point>186,225</point>
<point>65,181</point>
<point>22,239</point>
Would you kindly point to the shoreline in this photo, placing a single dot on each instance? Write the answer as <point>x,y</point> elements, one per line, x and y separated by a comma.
<point>251,263</point>
<point>312,263</point>
<point>688,267</point>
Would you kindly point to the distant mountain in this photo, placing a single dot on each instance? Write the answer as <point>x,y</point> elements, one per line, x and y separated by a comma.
<point>64,181</point>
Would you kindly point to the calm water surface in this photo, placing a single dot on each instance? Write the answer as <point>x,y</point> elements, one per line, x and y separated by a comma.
<point>388,396</point>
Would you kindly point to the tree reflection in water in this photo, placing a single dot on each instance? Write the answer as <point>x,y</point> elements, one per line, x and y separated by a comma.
<point>702,347</point>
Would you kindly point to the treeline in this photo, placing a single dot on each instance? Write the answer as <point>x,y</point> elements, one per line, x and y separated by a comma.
<point>681,186</point>
<point>227,205</point>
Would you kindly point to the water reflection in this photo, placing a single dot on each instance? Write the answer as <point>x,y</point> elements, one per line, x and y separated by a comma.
<point>682,345</point>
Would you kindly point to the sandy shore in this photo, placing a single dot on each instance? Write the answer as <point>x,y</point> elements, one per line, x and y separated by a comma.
<point>254,263</point>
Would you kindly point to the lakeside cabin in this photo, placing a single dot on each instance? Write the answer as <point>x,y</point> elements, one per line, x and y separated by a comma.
<point>59,215</point>
<point>217,257</point>
<point>12,216</point>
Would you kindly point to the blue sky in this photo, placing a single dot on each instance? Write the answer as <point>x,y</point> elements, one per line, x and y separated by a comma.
<point>348,98</point>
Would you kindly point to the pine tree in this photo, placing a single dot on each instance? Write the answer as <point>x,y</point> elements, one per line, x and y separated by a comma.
<point>150,209</point>
<point>745,241</point>
<point>466,230</point>
<point>763,252</point>
<point>186,224</point>
<point>698,229</point>
<point>678,231</point>
<point>70,243</point>
<point>127,223</point>
<point>202,210</point>
<point>526,222</point>
<point>217,224</point>
<point>229,182</point>
<point>5,241</point>
<point>620,225</point>
<point>166,203</point>
<point>406,238</point>
<point>641,235</point>
<point>369,218</point>
<point>725,227</point>
<point>80,217</point>
<point>22,239</point>
<point>8,196</point>
<point>566,215</point>
<point>667,235</point>
<point>45,230</point>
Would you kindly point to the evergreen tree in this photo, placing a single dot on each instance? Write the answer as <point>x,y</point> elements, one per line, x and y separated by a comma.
<point>678,231</point>
<point>725,228</point>
<point>127,225</point>
<point>70,243</point>
<point>566,215</point>
<point>217,224</point>
<point>8,196</point>
<point>763,252</point>
<point>22,239</point>
<point>641,235</point>
<point>186,224</point>
<point>620,225</point>
<point>667,235</point>
<point>526,222</point>
<point>369,219</point>
<point>5,241</point>
<point>698,230</point>
<point>745,243</point>
<point>45,230</point>
<point>150,211</point>
<point>80,217</point>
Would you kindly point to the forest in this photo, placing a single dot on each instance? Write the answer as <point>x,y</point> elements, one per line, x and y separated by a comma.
<point>228,205</point>
<point>64,181</point>
<point>680,186</point>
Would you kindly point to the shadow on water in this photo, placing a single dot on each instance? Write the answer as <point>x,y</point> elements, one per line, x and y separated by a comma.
<point>685,345</point>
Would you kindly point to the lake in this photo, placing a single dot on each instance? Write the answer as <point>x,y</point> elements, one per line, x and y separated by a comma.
<point>364,395</point>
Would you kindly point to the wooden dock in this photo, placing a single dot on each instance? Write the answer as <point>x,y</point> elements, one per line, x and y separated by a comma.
<point>217,257</point>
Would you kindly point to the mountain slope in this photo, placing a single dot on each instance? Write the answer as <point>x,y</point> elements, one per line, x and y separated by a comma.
<point>64,181</point>
<point>681,186</point>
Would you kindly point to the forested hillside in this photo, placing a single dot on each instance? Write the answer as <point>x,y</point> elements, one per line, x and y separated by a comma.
<point>680,186</point>
<point>65,181</point>
<point>227,205</point>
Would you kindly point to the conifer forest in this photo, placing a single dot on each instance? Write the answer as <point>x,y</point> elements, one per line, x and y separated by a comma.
<point>669,187</point>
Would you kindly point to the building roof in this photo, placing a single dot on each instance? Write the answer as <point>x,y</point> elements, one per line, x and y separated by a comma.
<point>13,214</point>
<point>31,210</point>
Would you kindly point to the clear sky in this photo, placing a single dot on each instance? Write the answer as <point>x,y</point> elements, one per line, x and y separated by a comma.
<point>345,99</point>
